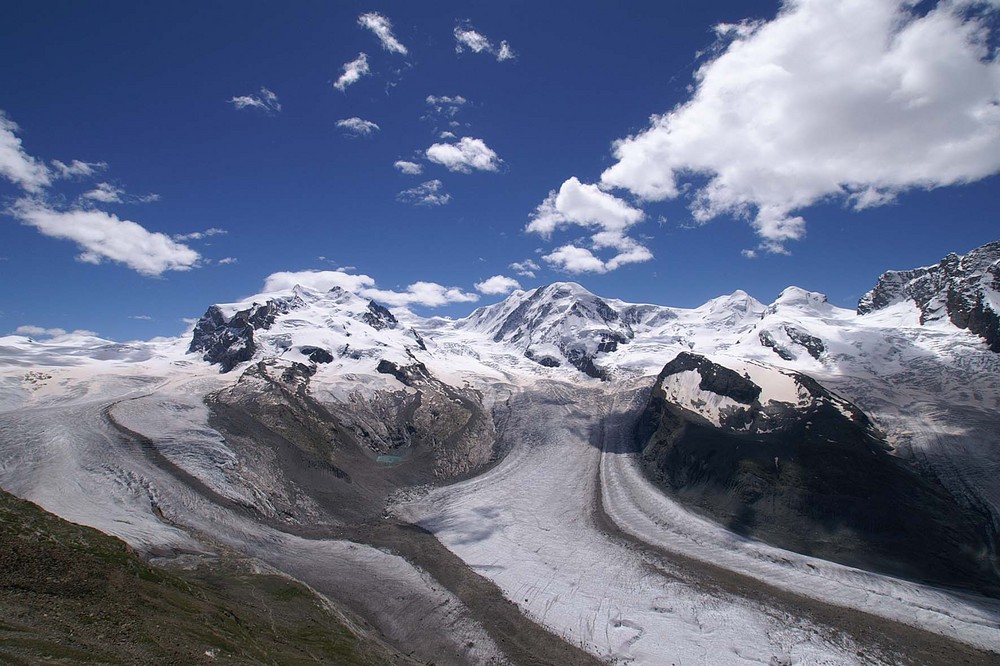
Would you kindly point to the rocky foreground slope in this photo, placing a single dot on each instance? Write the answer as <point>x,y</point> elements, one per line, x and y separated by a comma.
<point>446,480</point>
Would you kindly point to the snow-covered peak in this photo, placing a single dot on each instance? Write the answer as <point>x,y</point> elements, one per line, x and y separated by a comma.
<point>529,317</point>
<point>731,309</point>
<point>796,298</point>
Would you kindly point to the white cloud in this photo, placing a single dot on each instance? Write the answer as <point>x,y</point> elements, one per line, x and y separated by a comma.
<point>108,193</point>
<point>505,52</point>
<point>104,236</point>
<point>607,216</point>
<point>429,294</point>
<point>40,332</point>
<point>357,126</point>
<point>498,284</point>
<point>382,28</point>
<point>629,252</point>
<point>318,280</point>
<point>464,156</point>
<point>227,260</point>
<point>525,268</point>
<point>585,205</point>
<point>76,168</point>
<point>198,235</point>
<point>105,193</point>
<point>575,260</point>
<point>445,105</point>
<point>859,99</point>
<point>265,101</point>
<point>425,194</point>
<point>409,168</point>
<point>141,317</point>
<point>353,71</point>
<point>16,165</point>
<point>466,37</point>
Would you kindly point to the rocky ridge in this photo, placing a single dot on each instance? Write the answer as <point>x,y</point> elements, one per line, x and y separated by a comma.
<point>965,290</point>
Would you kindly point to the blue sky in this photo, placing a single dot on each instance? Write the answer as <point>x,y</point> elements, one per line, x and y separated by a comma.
<point>159,157</point>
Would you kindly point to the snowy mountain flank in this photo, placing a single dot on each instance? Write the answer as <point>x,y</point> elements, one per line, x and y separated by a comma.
<point>560,477</point>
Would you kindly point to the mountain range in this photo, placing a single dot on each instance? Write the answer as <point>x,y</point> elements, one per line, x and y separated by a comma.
<point>560,477</point>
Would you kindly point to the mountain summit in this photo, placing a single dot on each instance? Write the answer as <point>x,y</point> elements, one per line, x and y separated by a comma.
<point>962,289</point>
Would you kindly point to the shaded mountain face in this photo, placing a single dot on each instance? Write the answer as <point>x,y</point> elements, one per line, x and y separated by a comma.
<point>316,461</point>
<point>776,456</point>
<point>963,289</point>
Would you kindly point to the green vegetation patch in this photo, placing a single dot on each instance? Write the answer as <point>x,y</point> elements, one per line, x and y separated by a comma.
<point>73,595</point>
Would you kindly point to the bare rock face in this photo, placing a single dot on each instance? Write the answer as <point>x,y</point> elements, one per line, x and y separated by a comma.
<point>965,289</point>
<point>815,477</point>
<point>316,462</point>
<point>229,342</point>
<point>379,317</point>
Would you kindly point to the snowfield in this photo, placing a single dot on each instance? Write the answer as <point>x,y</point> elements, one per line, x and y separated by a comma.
<point>119,437</point>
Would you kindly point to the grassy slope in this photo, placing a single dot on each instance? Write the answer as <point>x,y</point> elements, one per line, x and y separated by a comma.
<point>71,594</point>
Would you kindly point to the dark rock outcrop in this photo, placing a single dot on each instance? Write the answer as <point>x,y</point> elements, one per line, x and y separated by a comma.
<point>317,355</point>
<point>546,360</point>
<point>379,317</point>
<point>813,345</point>
<point>768,341</point>
<point>229,342</point>
<point>962,288</point>
<point>407,374</point>
<point>816,478</point>
<point>714,377</point>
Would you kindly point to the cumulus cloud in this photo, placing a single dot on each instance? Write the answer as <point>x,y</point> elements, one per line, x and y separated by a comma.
<point>38,331</point>
<point>585,205</point>
<point>425,194</point>
<point>265,101</point>
<point>103,236</point>
<point>357,126</point>
<point>430,294</point>
<point>525,268</point>
<point>16,165</point>
<point>409,168</point>
<point>227,260</point>
<point>382,28</point>
<point>353,71</point>
<point>466,37</point>
<point>859,100</point>
<point>605,215</point>
<point>498,284</point>
<point>318,280</point>
<point>575,259</point>
<point>466,155</point>
<point>78,169</point>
